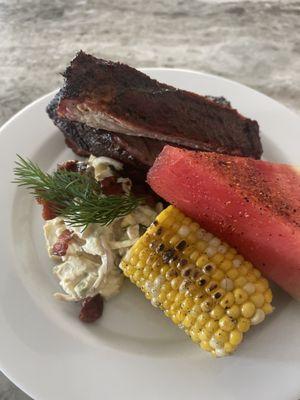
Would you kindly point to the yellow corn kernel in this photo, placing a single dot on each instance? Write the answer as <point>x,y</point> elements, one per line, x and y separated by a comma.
<point>258,299</point>
<point>212,325</point>
<point>179,298</point>
<point>234,311</point>
<point>205,345</point>
<point>171,295</point>
<point>221,336</point>
<point>243,324</point>
<point>267,308</point>
<point>240,281</point>
<point>248,309</point>
<point>217,312</point>
<point>268,296</point>
<point>162,297</point>
<point>217,258</point>
<point>218,275</point>
<point>194,336</point>
<point>229,348</point>
<point>176,282</point>
<point>202,319</point>
<point>204,334</point>
<point>233,273</point>
<point>235,337</point>
<point>187,304</point>
<point>226,265</point>
<point>180,315</point>
<point>201,261</point>
<point>240,295</point>
<point>226,323</point>
<point>209,290</point>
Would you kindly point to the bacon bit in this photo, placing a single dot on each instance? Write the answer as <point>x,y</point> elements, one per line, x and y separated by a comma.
<point>92,309</point>
<point>110,186</point>
<point>48,211</point>
<point>70,165</point>
<point>61,246</point>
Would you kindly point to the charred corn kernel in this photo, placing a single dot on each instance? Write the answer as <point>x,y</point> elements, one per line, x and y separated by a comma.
<point>228,300</point>
<point>243,324</point>
<point>202,284</point>
<point>235,337</point>
<point>248,309</point>
<point>234,311</point>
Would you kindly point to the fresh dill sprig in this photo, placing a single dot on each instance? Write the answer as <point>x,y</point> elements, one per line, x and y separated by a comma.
<point>76,197</point>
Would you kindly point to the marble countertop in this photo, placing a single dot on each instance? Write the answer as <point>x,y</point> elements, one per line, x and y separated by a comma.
<point>254,42</point>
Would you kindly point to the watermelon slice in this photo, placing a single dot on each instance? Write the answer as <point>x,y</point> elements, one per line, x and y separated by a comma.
<point>253,205</point>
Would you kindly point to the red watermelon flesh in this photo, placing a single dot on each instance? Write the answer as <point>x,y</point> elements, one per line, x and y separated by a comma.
<point>253,205</point>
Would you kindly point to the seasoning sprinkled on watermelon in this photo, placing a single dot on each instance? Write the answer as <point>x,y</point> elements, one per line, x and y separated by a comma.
<point>253,205</point>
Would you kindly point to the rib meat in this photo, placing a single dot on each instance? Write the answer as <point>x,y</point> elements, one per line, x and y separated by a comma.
<point>115,98</point>
<point>85,140</point>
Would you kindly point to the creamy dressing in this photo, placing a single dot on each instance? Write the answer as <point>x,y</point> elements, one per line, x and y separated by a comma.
<point>90,263</point>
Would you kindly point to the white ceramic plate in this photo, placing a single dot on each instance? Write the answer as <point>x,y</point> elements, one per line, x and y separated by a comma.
<point>133,352</point>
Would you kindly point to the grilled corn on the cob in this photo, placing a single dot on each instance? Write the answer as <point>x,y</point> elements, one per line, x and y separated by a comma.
<point>202,284</point>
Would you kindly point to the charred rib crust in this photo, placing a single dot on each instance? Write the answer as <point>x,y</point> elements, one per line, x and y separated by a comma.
<point>156,110</point>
